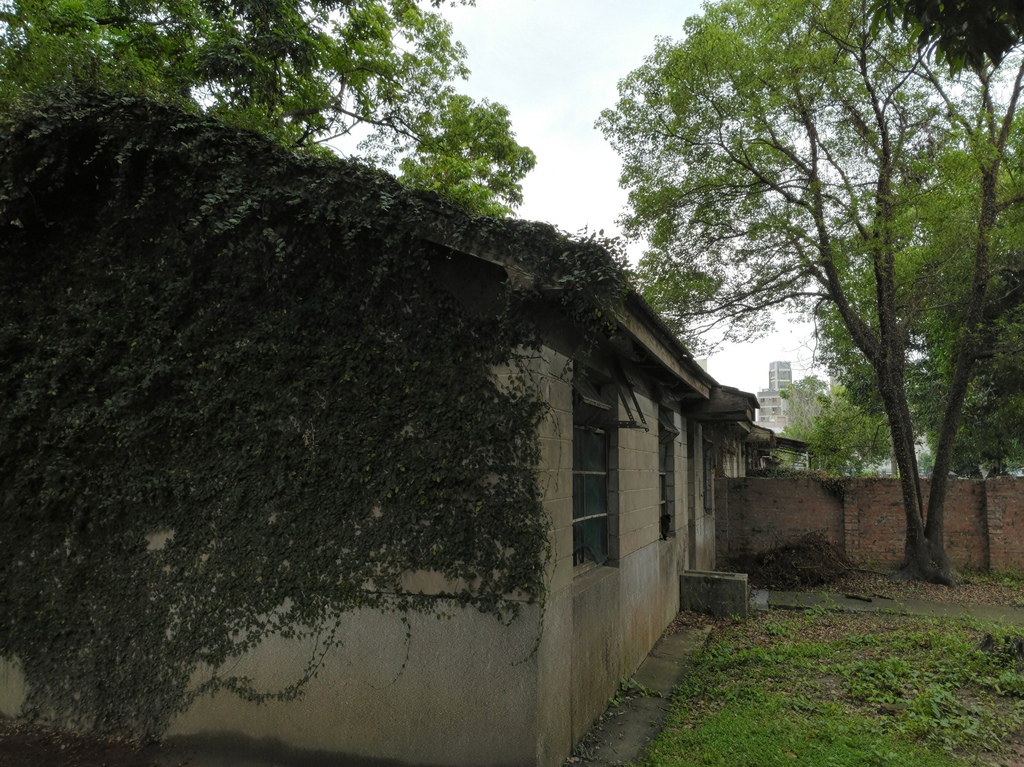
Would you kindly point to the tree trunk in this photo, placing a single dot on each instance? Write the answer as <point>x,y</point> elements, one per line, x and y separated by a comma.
<point>924,554</point>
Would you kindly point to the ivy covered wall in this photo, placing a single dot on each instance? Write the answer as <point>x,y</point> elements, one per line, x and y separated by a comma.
<point>236,400</point>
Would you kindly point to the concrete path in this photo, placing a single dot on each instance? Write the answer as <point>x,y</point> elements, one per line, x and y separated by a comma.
<point>626,729</point>
<point>796,600</point>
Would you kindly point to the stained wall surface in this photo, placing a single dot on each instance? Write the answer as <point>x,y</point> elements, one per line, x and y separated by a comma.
<point>466,689</point>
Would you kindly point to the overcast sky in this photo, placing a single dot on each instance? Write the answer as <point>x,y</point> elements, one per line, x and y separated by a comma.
<point>556,64</point>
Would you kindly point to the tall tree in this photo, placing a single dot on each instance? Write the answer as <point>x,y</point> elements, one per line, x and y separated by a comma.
<point>990,439</point>
<point>304,72</point>
<point>789,153</point>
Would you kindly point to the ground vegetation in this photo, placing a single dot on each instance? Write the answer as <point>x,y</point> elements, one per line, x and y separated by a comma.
<point>820,687</point>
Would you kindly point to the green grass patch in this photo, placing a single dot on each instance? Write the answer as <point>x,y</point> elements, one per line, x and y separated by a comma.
<point>837,689</point>
<point>770,730</point>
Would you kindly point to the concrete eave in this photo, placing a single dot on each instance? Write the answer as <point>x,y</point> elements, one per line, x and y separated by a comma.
<point>653,343</point>
<point>726,405</point>
<point>636,320</point>
<point>761,435</point>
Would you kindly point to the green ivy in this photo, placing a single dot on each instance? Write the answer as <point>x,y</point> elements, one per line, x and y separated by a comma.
<point>205,334</point>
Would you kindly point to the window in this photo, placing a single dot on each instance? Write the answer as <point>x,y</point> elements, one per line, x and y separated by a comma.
<point>667,433</point>
<point>593,416</point>
<point>709,477</point>
<point>589,495</point>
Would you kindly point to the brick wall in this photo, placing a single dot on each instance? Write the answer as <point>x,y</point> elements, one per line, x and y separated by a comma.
<point>984,520</point>
<point>1005,505</point>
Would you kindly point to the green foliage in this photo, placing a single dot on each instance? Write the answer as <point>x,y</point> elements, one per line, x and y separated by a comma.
<point>303,73</point>
<point>927,690</point>
<point>752,152</point>
<point>771,729</point>
<point>845,440</point>
<point>966,33</point>
<point>630,688</point>
<point>803,405</point>
<point>237,400</point>
<point>472,158</point>
<point>989,437</point>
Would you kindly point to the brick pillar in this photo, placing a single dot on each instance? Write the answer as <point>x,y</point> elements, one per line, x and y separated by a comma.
<point>850,512</point>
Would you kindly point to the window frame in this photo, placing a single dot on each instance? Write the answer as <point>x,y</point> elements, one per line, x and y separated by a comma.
<point>594,410</point>
<point>667,437</point>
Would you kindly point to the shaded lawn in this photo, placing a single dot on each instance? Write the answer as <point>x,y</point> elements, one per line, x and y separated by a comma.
<point>823,688</point>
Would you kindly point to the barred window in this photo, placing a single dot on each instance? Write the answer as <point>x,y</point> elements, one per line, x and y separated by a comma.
<point>667,433</point>
<point>593,416</point>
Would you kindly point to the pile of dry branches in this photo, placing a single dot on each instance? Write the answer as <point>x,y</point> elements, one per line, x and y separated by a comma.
<point>811,560</point>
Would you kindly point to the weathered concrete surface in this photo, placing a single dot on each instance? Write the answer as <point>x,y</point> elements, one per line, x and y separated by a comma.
<point>796,600</point>
<point>724,595</point>
<point>625,730</point>
<point>383,698</point>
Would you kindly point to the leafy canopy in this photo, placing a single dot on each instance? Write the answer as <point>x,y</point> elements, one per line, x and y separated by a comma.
<point>302,72</point>
<point>802,404</point>
<point>792,153</point>
<point>963,32</point>
<point>741,140</point>
<point>842,438</point>
<point>785,153</point>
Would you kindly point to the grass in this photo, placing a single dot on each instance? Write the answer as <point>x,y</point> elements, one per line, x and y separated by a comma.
<point>830,689</point>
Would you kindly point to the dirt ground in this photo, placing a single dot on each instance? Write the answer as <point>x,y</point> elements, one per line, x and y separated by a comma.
<point>24,745</point>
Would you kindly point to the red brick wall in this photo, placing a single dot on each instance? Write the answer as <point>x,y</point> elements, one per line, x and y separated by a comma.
<point>872,510</point>
<point>1005,504</point>
<point>984,520</point>
<point>752,515</point>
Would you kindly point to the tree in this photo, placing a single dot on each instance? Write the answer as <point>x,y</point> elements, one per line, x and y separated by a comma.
<point>843,439</point>
<point>305,73</point>
<point>790,154</point>
<point>804,399</point>
<point>964,32</point>
<point>989,440</point>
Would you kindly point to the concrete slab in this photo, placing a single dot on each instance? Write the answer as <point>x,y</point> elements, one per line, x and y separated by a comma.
<point>722,594</point>
<point>796,600</point>
<point>625,729</point>
<point>667,663</point>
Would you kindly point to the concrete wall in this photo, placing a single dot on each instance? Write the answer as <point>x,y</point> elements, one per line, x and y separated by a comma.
<point>467,690</point>
<point>472,692</point>
<point>701,508</point>
<point>984,519</point>
<point>614,613</point>
<point>425,700</point>
<point>12,688</point>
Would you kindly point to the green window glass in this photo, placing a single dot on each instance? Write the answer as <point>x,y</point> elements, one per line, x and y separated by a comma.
<point>589,495</point>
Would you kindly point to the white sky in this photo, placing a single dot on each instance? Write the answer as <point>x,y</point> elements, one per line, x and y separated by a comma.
<point>556,64</point>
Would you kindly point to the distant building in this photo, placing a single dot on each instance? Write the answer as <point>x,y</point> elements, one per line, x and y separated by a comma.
<point>780,376</point>
<point>773,409</point>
